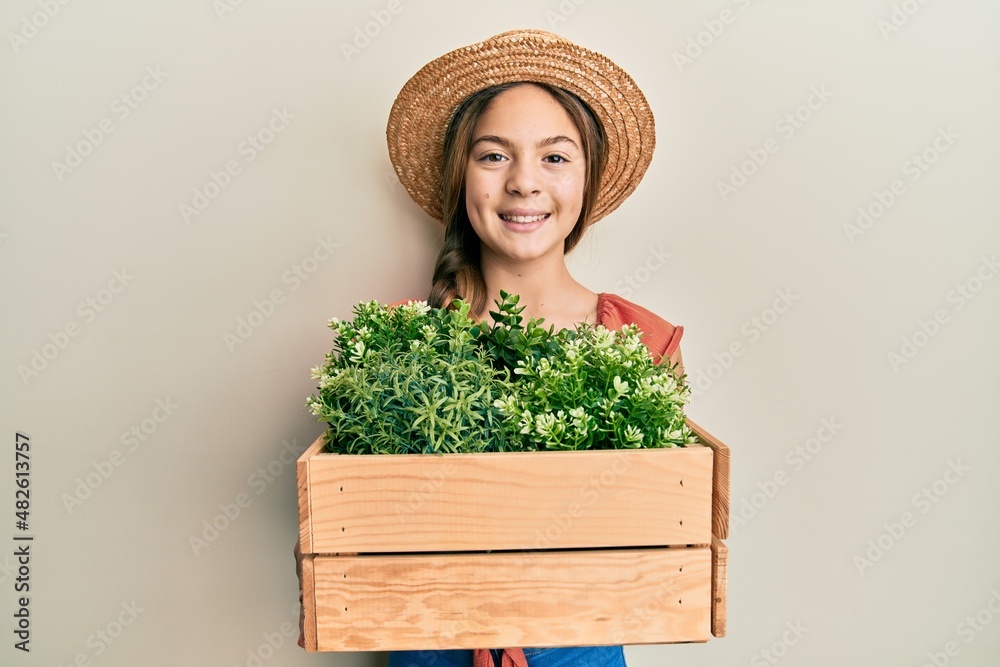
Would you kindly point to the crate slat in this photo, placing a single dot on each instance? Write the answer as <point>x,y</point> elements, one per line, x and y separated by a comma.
<point>308,583</point>
<point>512,599</point>
<point>304,492</point>
<point>720,480</point>
<point>505,500</point>
<point>720,562</point>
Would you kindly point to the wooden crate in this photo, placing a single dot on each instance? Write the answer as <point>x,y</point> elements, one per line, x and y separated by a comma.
<point>519,549</point>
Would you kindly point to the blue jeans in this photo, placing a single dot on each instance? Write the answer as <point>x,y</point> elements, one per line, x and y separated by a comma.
<point>582,656</point>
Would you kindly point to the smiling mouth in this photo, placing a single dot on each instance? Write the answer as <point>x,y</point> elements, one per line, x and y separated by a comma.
<point>523,219</point>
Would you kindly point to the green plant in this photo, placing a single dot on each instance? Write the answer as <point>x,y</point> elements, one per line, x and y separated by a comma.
<point>413,379</point>
<point>407,380</point>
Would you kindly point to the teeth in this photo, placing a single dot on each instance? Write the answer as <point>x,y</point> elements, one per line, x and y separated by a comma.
<point>524,218</point>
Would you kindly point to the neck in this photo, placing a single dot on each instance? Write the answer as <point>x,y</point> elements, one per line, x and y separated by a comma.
<point>546,291</point>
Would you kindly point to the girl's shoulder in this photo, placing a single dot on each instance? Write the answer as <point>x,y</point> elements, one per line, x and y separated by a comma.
<point>659,335</point>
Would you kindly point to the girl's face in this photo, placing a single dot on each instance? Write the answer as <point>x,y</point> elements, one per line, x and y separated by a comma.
<point>525,176</point>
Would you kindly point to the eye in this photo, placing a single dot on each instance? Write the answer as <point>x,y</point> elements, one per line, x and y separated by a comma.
<point>556,159</point>
<point>492,157</point>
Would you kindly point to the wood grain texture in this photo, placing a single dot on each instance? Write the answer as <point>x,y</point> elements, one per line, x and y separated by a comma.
<point>515,500</point>
<point>720,481</point>
<point>526,599</point>
<point>302,482</point>
<point>309,602</point>
<point>720,561</point>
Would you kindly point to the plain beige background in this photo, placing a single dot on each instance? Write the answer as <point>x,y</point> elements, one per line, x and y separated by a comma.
<point>851,366</point>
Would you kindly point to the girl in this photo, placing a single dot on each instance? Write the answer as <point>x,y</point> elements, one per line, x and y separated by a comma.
<point>518,144</point>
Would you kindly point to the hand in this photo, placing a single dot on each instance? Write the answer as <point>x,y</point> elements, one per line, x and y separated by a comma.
<point>298,572</point>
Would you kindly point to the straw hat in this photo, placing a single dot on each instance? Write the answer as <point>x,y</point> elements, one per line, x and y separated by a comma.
<point>423,109</point>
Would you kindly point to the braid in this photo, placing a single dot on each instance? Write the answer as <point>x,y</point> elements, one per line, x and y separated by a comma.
<point>456,272</point>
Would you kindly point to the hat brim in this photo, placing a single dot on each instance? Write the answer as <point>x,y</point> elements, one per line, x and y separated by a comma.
<point>420,115</point>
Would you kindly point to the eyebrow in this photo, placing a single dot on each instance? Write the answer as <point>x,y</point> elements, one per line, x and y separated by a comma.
<point>506,143</point>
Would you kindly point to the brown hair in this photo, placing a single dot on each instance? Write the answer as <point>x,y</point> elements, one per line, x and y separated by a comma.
<point>457,273</point>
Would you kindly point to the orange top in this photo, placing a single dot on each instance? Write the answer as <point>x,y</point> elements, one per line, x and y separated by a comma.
<point>511,657</point>
<point>660,336</point>
<point>613,312</point>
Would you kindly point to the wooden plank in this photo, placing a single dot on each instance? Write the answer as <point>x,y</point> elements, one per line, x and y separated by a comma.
<point>720,481</point>
<point>309,602</point>
<point>509,500</point>
<point>302,482</point>
<point>720,562</point>
<point>526,599</point>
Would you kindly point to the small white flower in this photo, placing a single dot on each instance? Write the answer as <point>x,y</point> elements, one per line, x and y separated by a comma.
<point>358,351</point>
<point>581,420</point>
<point>526,422</point>
<point>416,308</point>
<point>603,338</point>
<point>633,434</point>
<point>506,404</point>
<point>544,421</point>
<point>327,381</point>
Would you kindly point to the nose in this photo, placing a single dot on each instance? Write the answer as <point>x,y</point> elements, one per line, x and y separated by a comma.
<point>523,178</point>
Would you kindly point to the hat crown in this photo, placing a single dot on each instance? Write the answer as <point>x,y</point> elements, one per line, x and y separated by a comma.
<point>424,106</point>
